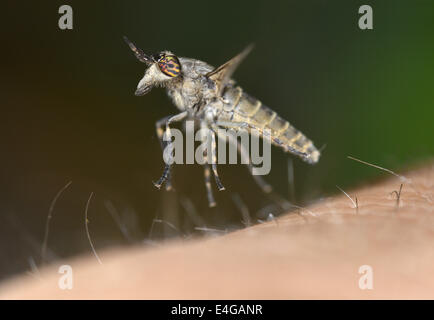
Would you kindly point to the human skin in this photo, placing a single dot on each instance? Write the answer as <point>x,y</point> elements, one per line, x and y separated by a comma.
<point>313,253</point>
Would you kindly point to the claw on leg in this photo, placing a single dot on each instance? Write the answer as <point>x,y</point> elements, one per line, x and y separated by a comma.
<point>217,178</point>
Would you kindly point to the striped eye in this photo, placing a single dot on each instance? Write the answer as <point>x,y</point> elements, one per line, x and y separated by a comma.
<point>169,65</point>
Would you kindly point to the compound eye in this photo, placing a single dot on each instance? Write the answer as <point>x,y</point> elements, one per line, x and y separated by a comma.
<point>169,65</point>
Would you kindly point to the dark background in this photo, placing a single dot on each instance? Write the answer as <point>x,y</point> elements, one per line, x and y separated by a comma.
<point>69,112</point>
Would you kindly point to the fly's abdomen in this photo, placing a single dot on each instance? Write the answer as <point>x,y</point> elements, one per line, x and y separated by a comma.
<point>244,108</point>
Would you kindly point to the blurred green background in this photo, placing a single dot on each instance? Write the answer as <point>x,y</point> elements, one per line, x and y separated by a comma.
<point>69,112</point>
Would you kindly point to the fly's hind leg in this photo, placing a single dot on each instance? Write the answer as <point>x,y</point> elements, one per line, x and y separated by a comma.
<point>207,175</point>
<point>214,162</point>
<point>165,143</point>
<point>207,171</point>
<point>210,128</point>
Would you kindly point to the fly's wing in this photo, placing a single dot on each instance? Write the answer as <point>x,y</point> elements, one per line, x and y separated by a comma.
<point>222,74</point>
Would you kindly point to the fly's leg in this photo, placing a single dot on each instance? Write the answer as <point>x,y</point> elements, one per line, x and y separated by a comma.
<point>205,128</point>
<point>160,133</point>
<point>207,175</point>
<point>214,162</point>
<point>211,125</point>
<point>164,177</point>
<point>165,143</point>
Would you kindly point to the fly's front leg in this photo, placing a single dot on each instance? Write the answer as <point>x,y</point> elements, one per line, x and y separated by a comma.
<point>165,142</point>
<point>160,134</point>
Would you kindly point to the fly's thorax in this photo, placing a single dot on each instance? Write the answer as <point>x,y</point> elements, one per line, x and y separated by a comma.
<point>187,93</point>
<point>194,89</point>
<point>194,68</point>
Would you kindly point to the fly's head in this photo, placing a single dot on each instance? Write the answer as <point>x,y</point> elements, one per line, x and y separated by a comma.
<point>162,69</point>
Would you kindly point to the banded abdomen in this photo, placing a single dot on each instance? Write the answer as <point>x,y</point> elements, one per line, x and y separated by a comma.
<point>241,107</point>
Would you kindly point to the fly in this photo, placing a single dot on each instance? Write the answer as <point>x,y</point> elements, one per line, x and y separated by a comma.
<point>209,95</point>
